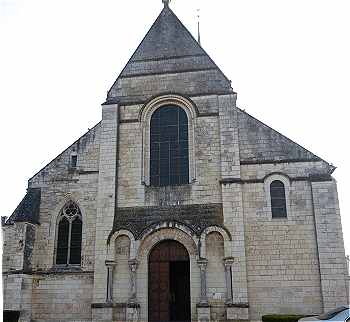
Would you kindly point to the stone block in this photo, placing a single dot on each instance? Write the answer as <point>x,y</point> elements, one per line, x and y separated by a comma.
<point>237,313</point>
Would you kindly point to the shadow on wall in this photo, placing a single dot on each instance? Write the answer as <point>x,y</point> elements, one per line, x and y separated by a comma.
<point>11,316</point>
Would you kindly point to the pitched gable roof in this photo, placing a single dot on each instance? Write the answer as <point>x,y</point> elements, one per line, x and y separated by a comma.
<point>29,208</point>
<point>167,37</point>
<point>261,144</point>
<point>168,48</point>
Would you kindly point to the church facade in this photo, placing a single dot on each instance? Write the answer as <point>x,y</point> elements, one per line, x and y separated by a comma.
<point>177,206</point>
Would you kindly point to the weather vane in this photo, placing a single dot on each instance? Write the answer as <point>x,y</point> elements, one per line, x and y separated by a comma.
<point>166,2</point>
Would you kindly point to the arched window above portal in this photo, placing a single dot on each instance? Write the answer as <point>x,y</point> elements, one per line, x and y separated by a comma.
<point>169,147</point>
<point>168,141</point>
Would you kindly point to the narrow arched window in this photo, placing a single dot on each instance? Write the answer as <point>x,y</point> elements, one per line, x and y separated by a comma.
<point>278,199</point>
<point>69,235</point>
<point>169,147</point>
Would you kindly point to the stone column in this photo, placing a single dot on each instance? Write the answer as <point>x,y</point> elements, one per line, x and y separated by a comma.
<point>228,262</point>
<point>202,263</point>
<point>133,264</point>
<point>110,270</point>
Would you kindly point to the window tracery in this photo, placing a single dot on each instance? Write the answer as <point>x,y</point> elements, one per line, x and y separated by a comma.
<point>69,235</point>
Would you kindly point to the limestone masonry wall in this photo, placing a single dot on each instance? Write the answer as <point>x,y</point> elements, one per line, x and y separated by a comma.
<point>330,244</point>
<point>205,189</point>
<point>13,247</point>
<point>62,297</point>
<point>282,260</point>
<point>59,183</point>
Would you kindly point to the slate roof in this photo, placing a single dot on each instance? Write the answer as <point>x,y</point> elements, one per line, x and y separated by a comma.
<point>169,48</point>
<point>29,208</point>
<point>167,37</point>
<point>260,143</point>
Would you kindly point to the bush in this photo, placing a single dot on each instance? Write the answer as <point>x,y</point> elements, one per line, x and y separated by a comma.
<point>282,318</point>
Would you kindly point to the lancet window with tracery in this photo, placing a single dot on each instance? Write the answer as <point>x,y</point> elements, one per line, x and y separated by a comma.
<point>69,235</point>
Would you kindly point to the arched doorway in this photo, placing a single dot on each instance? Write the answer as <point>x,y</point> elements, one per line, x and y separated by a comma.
<point>169,283</point>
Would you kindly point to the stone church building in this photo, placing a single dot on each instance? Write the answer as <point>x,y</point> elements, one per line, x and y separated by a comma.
<point>177,206</point>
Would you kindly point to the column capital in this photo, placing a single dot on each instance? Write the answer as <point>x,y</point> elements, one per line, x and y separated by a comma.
<point>133,264</point>
<point>202,263</point>
<point>229,261</point>
<point>110,263</point>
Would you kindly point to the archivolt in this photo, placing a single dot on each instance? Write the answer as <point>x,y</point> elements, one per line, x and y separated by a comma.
<point>168,233</point>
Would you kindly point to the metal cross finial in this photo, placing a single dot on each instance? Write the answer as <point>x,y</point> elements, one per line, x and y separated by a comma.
<point>166,2</point>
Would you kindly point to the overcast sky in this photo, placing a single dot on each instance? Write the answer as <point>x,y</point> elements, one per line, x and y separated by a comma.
<point>289,62</point>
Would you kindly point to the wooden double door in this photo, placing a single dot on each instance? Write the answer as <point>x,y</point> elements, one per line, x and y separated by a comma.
<point>169,296</point>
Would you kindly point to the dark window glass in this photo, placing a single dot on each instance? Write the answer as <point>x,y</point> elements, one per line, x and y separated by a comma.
<point>62,241</point>
<point>278,199</point>
<point>169,147</point>
<point>75,242</point>
<point>69,236</point>
<point>74,161</point>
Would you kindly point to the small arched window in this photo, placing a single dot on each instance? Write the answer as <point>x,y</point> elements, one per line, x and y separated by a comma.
<point>278,199</point>
<point>69,235</point>
<point>169,147</point>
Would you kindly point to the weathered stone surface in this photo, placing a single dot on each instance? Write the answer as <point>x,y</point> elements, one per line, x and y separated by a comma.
<point>29,208</point>
<point>243,263</point>
<point>196,217</point>
<point>259,143</point>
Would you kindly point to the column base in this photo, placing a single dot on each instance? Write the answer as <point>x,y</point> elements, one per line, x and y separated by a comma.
<point>237,312</point>
<point>203,312</point>
<point>133,312</point>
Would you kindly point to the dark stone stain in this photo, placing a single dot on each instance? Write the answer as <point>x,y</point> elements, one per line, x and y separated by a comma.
<point>140,219</point>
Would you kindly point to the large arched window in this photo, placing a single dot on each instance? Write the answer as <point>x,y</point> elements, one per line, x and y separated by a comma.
<point>169,147</point>
<point>69,235</point>
<point>278,199</point>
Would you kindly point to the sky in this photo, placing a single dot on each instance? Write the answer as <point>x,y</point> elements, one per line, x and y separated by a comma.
<point>289,62</point>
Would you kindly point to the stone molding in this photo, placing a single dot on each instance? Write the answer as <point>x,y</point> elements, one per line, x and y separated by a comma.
<point>190,243</point>
<point>142,220</point>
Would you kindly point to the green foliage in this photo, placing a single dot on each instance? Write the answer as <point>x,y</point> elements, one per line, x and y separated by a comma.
<point>282,318</point>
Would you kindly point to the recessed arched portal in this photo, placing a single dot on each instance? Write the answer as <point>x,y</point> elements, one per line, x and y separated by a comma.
<point>169,297</point>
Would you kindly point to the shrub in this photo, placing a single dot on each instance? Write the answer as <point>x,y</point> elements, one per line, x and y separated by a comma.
<point>282,318</point>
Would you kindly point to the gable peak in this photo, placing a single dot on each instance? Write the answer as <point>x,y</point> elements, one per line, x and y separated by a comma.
<point>166,3</point>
